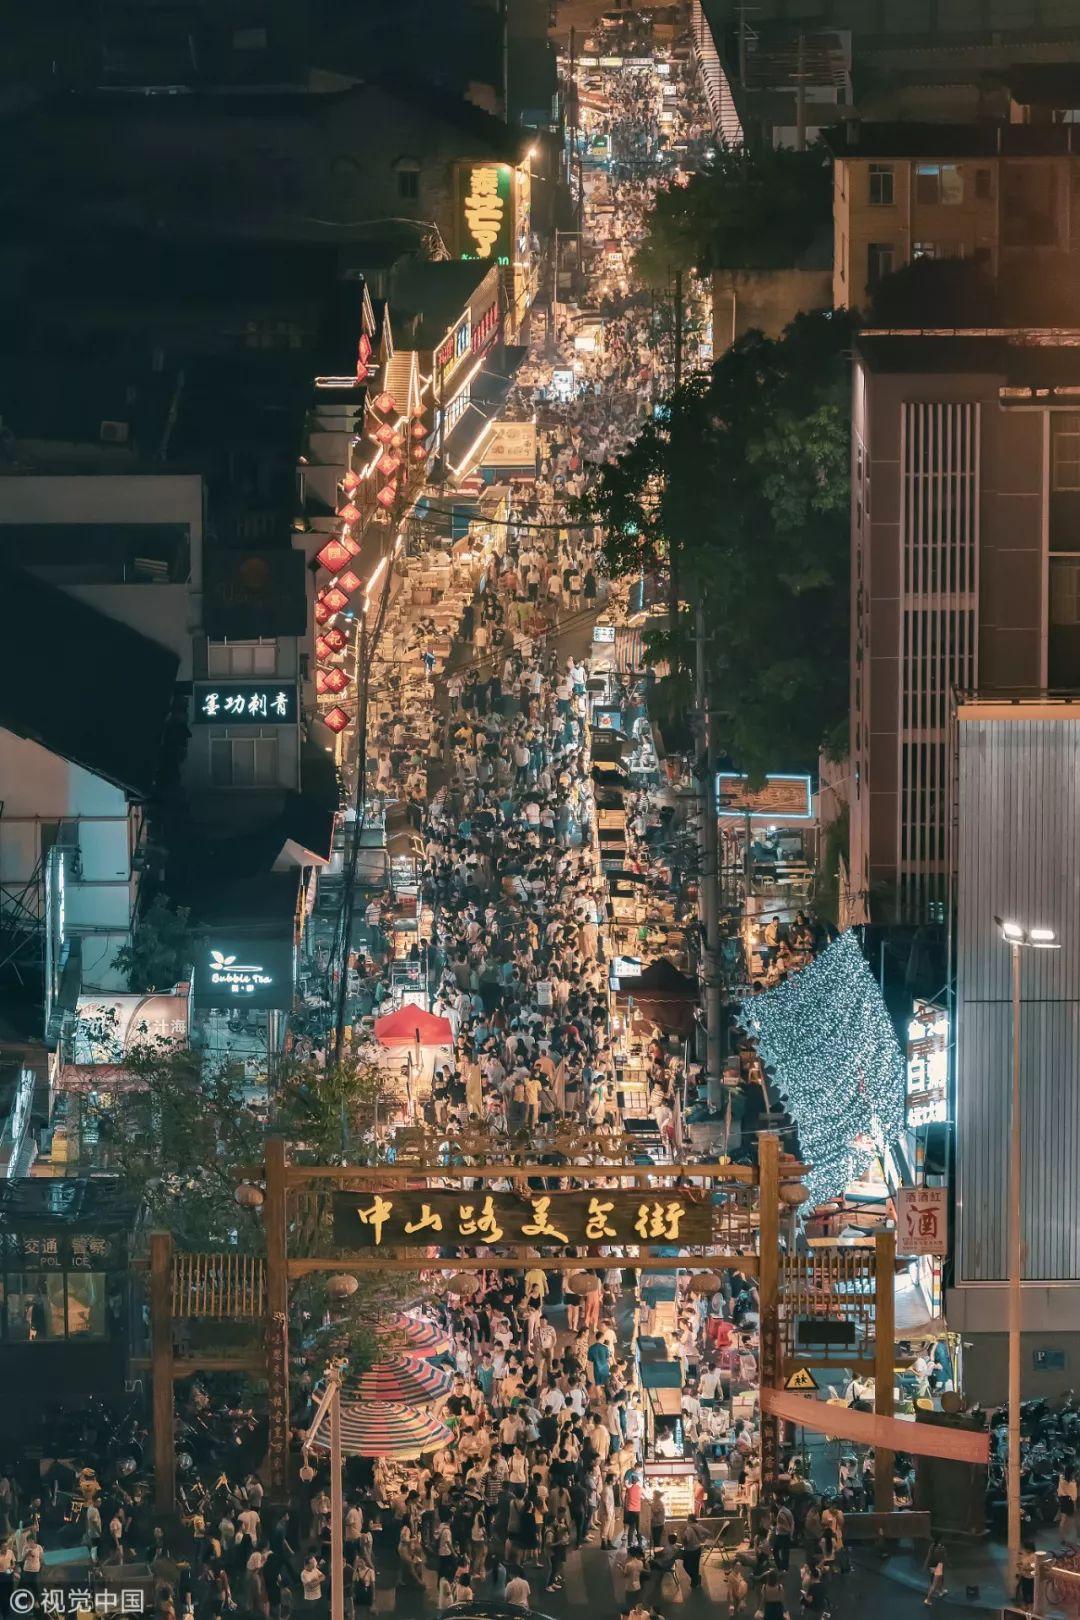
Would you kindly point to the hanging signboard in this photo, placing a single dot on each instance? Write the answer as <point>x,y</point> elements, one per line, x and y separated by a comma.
<point>403,1218</point>
<point>486,211</point>
<point>513,444</point>
<point>780,799</point>
<point>248,973</point>
<point>107,1028</point>
<point>922,1220</point>
<point>245,703</point>
<point>927,1064</point>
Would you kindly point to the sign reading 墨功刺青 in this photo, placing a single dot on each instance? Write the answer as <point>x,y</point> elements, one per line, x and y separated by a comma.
<point>399,1218</point>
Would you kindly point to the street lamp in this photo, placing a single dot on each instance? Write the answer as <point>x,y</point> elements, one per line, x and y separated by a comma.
<point>1017,938</point>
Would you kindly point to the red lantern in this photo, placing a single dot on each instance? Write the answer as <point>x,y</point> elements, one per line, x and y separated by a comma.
<point>323,648</point>
<point>333,556</point>
<point>322,613</point>
<point>388,494</point>
<point>351,480</point>
<point>334,680</point>
<point>419,431</point>
<point>417,410</point>
<point>320,682</point>
<point>389,463</point>
<point>335,600</point>
<point>337,719</point>
<point>350,544</point>
<point>349,513</point>
<point>385,434</point>
<point>397,441</point>
<point>348,581</point>
<point>336,639</point>
<point>418,452</point>
<point>363,348</point>
<point>384,402</point>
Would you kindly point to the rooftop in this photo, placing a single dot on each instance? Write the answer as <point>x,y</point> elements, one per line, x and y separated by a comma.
<point>435,294</point>
<point>1049,355</point>
<point>100,693</point>
<point>994,138</point>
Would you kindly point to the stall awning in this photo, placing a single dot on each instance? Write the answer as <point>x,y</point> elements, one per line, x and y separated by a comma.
<point>662,1382</point>
<point>412,1026</point>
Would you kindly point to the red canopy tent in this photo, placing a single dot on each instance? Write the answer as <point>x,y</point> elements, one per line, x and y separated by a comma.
<point>413,1026</point>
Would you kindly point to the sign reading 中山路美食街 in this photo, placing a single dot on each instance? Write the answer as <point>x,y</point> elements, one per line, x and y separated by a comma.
<point>244,703</point>
<point>922,1220</point>
<point>396,1218</point>
<point>486,211</point>
<point>251,973</point>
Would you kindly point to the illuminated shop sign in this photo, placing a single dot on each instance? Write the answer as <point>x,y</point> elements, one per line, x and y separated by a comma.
<point>245,973</point>
<point>486,212</point>
<point>780,798</point>
<point>927,1064</point>
<point>245,703</point>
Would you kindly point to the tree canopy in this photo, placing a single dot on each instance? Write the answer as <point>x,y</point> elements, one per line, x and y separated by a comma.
<point>162,949</point>
<point>752,208</point>
<point>743,478</point>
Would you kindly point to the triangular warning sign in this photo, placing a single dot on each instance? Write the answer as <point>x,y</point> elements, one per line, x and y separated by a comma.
<point>801,1379</point>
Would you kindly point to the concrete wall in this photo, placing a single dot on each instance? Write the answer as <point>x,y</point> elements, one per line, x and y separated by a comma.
<point>764,301</point>
<point>38,789</point>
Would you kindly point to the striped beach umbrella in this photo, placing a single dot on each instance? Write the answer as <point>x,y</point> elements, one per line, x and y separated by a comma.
<point>403,1378</point>
<point>390,1430</point>
<point>422,1337</point>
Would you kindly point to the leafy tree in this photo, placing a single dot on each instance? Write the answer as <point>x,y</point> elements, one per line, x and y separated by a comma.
<point>162,949</point>
<point>744,480</point>
<point>752,208</point>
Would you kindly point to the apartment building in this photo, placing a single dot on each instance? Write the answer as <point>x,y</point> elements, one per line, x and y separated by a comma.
<point>965,576</point>
<point>1002,194</point>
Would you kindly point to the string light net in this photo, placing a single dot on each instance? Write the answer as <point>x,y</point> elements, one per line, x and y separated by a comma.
<point>829,1041</point>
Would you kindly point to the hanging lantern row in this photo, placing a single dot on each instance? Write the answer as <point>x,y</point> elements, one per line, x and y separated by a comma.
<point>336,639</point>
<point>334,556</point>
<point>349,513</point>
<point>363,358</point>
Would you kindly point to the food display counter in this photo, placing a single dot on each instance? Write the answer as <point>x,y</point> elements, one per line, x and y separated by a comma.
<point>676,1480</point>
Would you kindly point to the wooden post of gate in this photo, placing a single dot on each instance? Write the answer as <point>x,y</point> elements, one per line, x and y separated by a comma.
<point>884,1357</point>
<point>161,1370</point>
<point>770,1372</point>
<point>275,1216</point>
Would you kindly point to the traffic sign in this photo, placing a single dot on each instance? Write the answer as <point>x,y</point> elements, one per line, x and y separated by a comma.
<point>801,1378</point>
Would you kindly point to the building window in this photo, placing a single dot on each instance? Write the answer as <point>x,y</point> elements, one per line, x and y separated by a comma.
<point>1066,454</point>
<point>938,183</point>
<point>42,1306</point>
<point>1065,591</point>
<point>407,170</point>
<point>984,184</point>
<point>241,658</point>
<point>879,263</point>
<point>461,339</point>
<point>881,185</point>
<point>925,250</point>
<point>244,759</point>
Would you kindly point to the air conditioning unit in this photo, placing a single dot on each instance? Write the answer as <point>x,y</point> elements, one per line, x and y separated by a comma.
<point>114,432</point>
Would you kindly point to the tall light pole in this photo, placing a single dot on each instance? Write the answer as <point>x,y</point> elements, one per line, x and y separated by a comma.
<point>1017,938</point>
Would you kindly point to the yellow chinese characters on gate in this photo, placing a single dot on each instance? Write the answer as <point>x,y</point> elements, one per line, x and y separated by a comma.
<point>419,1217</point>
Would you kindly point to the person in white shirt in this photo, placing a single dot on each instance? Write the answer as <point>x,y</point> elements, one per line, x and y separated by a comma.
<point>518,1591</point>
<point>311,1579</point>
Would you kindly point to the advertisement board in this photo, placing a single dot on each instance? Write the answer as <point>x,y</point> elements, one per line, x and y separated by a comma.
<point>781,798</point>
<point>244,703</point>
<point>249,973</point>
<point>922,1220</point>
<point>513,444</point>
<point>485,211</point>
<point>927,1100</point>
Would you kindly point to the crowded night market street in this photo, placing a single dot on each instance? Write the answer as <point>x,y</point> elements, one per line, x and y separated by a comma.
<point>484,1158</point>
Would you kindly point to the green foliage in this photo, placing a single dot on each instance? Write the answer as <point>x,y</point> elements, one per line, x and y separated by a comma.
<point>162,949</point>
<point>744,479</point>
<point>752,208</point>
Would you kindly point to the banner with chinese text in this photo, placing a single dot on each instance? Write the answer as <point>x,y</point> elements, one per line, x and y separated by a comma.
<point>392,1219</point>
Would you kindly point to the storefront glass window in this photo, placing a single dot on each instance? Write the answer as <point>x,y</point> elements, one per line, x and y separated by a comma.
<point>86,1304</point>
<point>35,1305</point>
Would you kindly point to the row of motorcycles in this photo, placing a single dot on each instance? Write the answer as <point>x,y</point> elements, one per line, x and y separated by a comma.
<point>1049,1447</point>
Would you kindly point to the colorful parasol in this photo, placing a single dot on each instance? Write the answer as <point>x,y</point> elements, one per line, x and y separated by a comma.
<point>404,1378</point>
<point>390,1430</point>
<point>422,1337</point>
